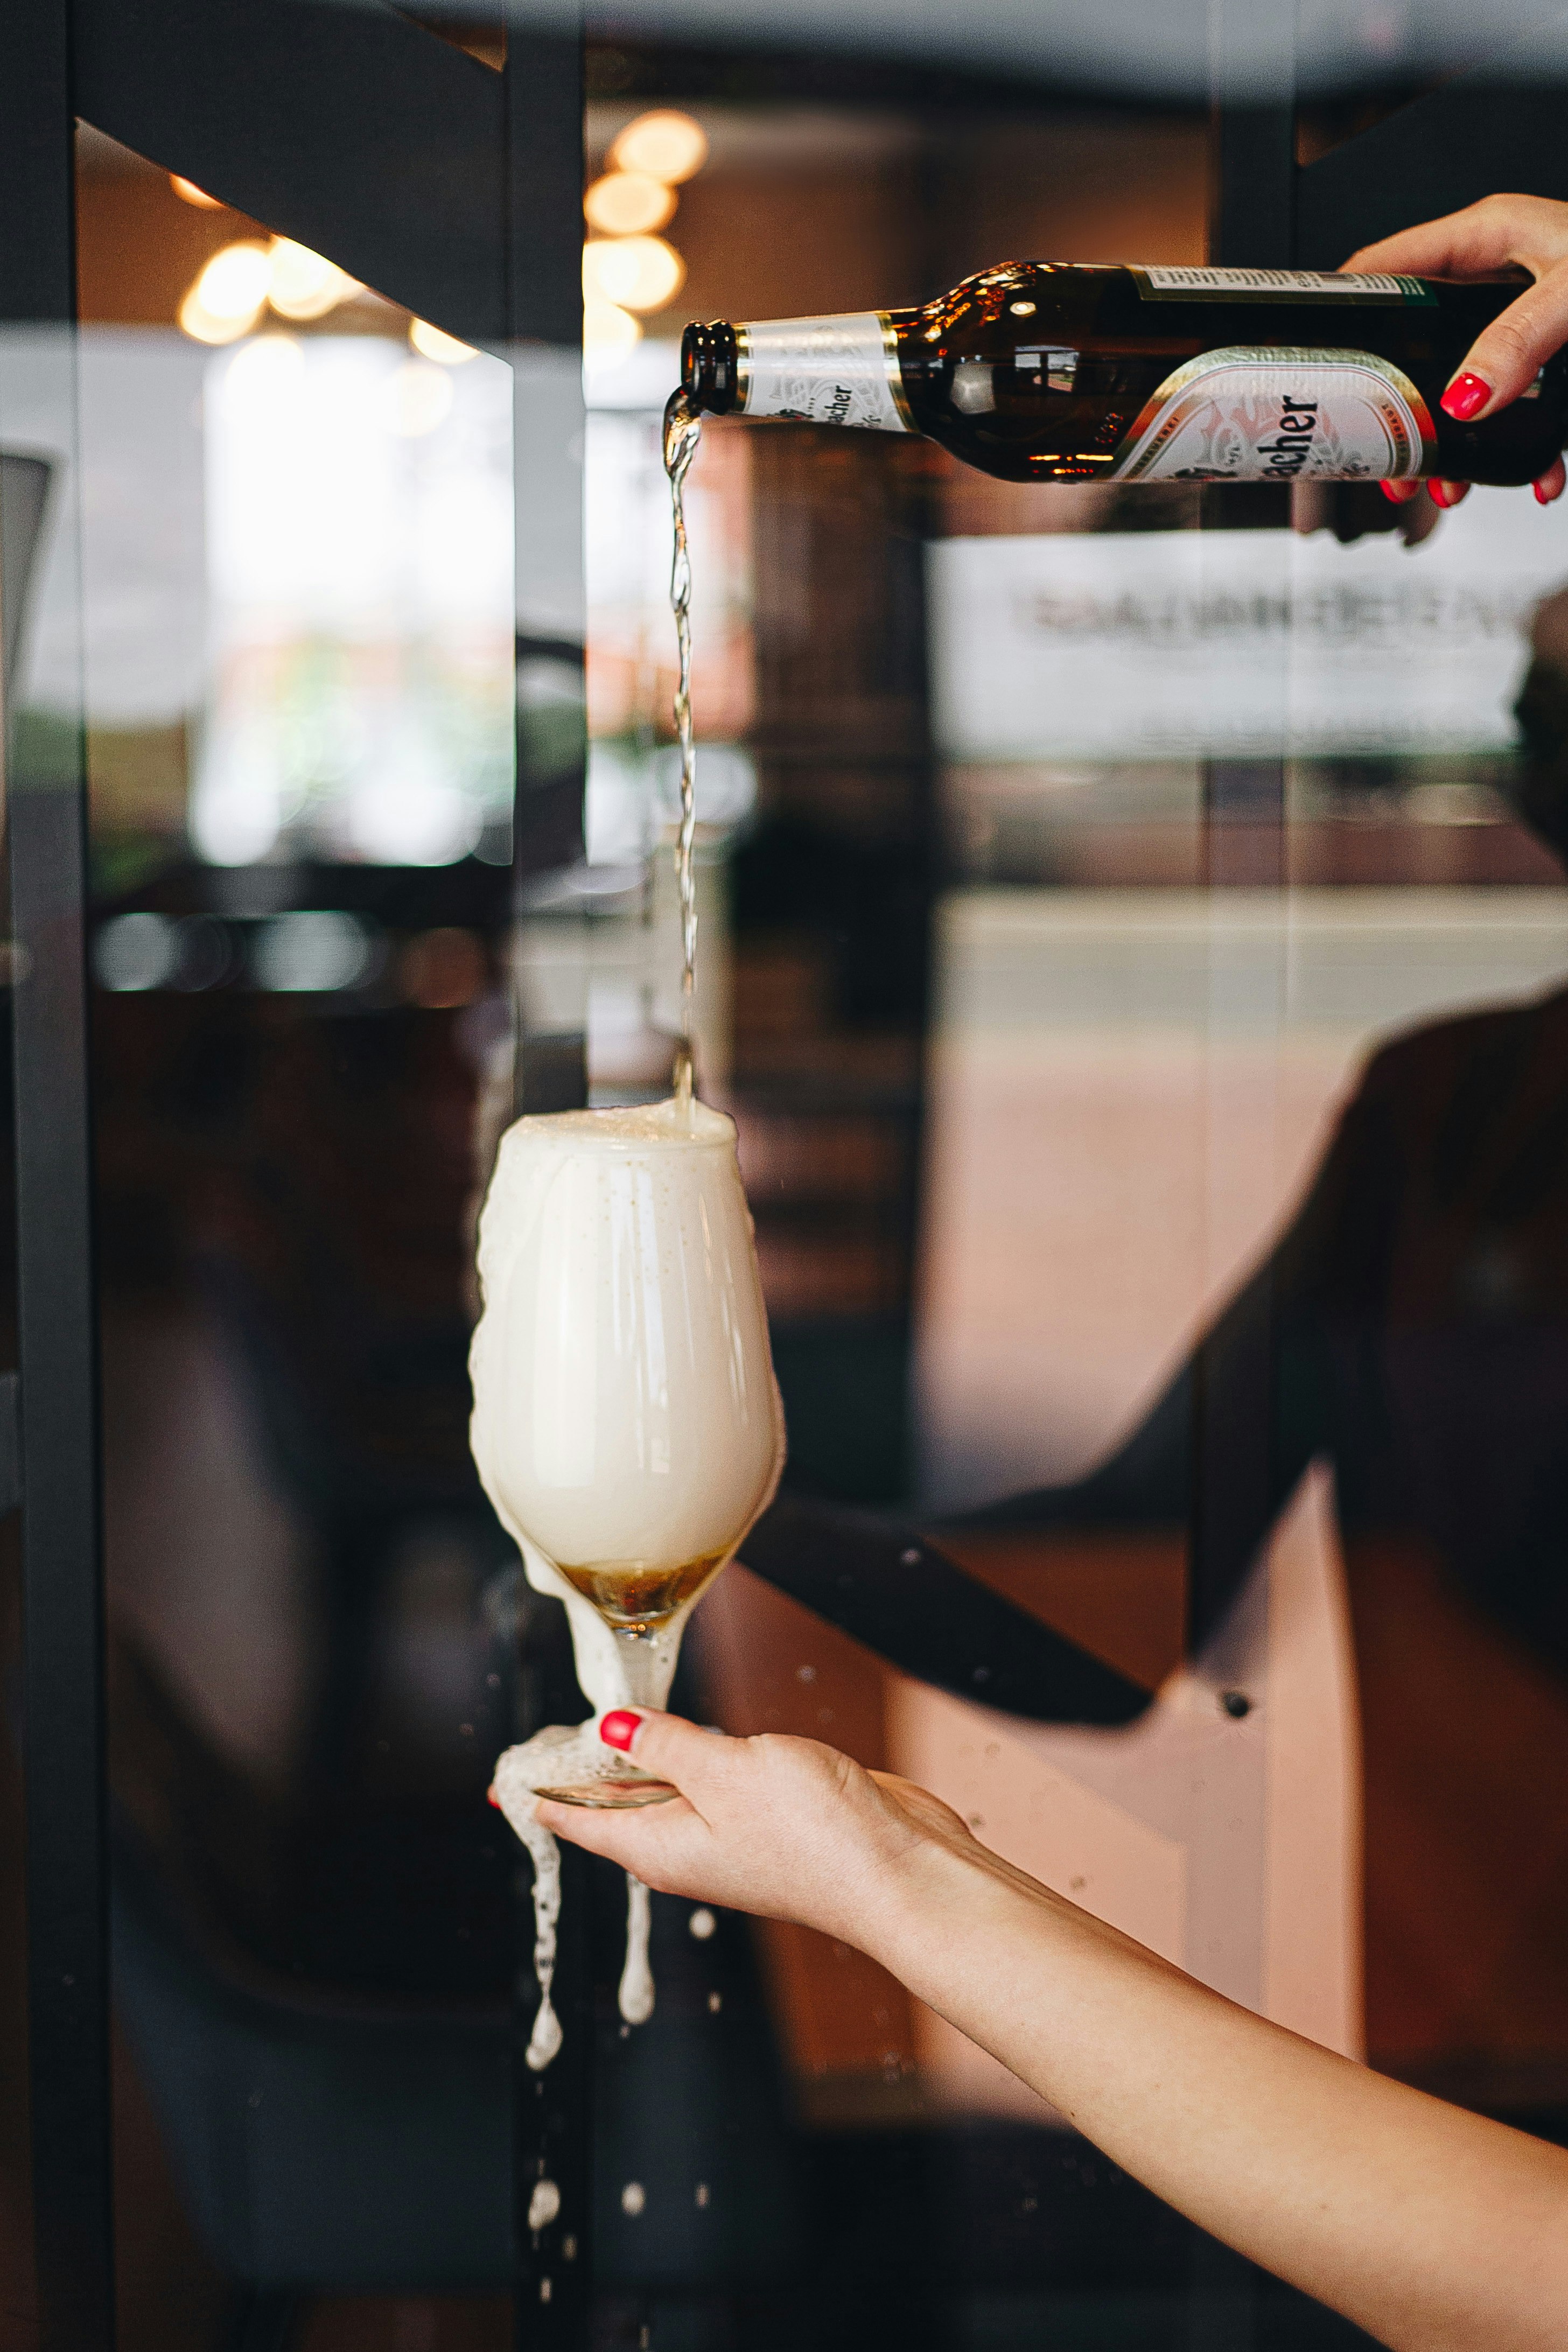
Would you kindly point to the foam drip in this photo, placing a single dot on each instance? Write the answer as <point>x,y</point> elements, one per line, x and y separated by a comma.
<point>613,1671</point>
<point>544,2042</point>
<point>635,1999</point>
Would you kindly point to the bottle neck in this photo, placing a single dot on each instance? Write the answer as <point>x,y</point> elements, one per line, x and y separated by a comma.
<point>840,369</point>
<point>710,370</point>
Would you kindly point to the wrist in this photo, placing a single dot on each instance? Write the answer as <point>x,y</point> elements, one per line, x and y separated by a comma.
<point>931,1888</point>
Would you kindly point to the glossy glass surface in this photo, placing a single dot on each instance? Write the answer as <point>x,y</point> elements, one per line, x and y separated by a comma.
<point>624,1414</point>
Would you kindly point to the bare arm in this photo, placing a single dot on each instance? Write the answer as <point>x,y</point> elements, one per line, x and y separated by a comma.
<point>1435,2230</point>
<point>1499,234</point>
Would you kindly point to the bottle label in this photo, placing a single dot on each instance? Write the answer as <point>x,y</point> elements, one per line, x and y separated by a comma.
<point>833,370</point>
<point>1178,285</point>
<point>1272,415</point>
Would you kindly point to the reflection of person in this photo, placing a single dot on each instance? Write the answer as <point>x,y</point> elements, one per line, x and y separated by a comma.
<point>1411,1329</point>
<point>1424,2224</point>
<point>1487,240</point>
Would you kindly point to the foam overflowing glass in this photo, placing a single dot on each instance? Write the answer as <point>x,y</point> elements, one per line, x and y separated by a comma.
<point>627,1422</point>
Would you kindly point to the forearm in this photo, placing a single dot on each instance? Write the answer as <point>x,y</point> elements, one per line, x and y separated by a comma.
<point>1437,2231</point>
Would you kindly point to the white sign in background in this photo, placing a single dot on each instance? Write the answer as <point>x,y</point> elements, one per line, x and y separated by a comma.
<point>1168,645</point>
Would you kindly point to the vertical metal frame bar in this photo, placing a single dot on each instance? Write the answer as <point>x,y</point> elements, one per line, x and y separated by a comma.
<point>61,1538</point>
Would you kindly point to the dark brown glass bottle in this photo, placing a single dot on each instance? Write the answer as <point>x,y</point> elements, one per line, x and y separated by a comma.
<point>1049,372</point>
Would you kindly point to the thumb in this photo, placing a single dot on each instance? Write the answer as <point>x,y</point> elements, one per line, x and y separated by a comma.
<point>1506,356</point>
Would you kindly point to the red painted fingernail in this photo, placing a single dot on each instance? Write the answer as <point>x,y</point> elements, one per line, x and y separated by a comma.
<point>1466,397</point>
<point>1542,497</point>
<point>491,1799</point>
<point>619,1727</point>
<point>1391,493</point>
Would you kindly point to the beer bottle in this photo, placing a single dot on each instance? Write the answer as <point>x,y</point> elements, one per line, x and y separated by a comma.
<point>1050,372</point>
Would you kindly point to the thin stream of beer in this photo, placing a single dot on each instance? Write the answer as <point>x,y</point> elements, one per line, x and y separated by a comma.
<point>682,430</point>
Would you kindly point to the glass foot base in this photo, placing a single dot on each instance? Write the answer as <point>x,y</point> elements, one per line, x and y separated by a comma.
<point>571,1764</point>
<point>605,1795</point>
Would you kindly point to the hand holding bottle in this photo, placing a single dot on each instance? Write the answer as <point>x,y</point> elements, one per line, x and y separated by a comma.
<point>1050,371</point>
<point>1497,233</point>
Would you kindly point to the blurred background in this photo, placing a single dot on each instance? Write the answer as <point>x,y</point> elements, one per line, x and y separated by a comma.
<point>1034,1045</point>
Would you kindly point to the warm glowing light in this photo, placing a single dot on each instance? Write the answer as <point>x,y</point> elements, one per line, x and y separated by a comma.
<point>625,204</point>
<point>189,194</point>
<point>418,397</point>
<point>226,298</point>
<point>202,327</point>
<point>234,282</point>
<point>608,331</point>
<point>667,145</point>
<point>434,345</point>
<point>638,273</point>
<point>305,285</point>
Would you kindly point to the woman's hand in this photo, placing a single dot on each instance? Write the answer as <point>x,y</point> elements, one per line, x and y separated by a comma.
<point>1434,2230</point>
<point>1499,233</point>
<point>784,1827</point>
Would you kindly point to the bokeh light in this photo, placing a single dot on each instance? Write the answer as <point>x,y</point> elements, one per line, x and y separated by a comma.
<point>666,144</point>
<point>433,344</point>
<point>608,331</point>
<point>636,273</point>
<point>227,298</point>
<point>628,203</point>
<point>305,285</point>
<point>189,194</point>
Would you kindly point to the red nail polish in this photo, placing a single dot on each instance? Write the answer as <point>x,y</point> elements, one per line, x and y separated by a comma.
<point>491,1799</point>
<point>1542,497</point>
<point>1390,493</point>
<point>619,1727</point>
<point>1466,397</point>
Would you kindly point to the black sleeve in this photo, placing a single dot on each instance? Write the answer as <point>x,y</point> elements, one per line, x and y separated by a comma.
<point>902,1596</point>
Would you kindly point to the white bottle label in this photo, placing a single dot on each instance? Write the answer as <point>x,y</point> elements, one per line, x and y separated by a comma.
<point>1272,415</point>
<point>833,370</point>
<point>1175,285</point>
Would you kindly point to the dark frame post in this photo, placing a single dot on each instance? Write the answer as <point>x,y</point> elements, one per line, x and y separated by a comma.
<point>63,1695</point>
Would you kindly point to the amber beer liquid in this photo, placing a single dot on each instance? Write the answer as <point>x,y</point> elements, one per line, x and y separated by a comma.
<point>1047,372</point>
